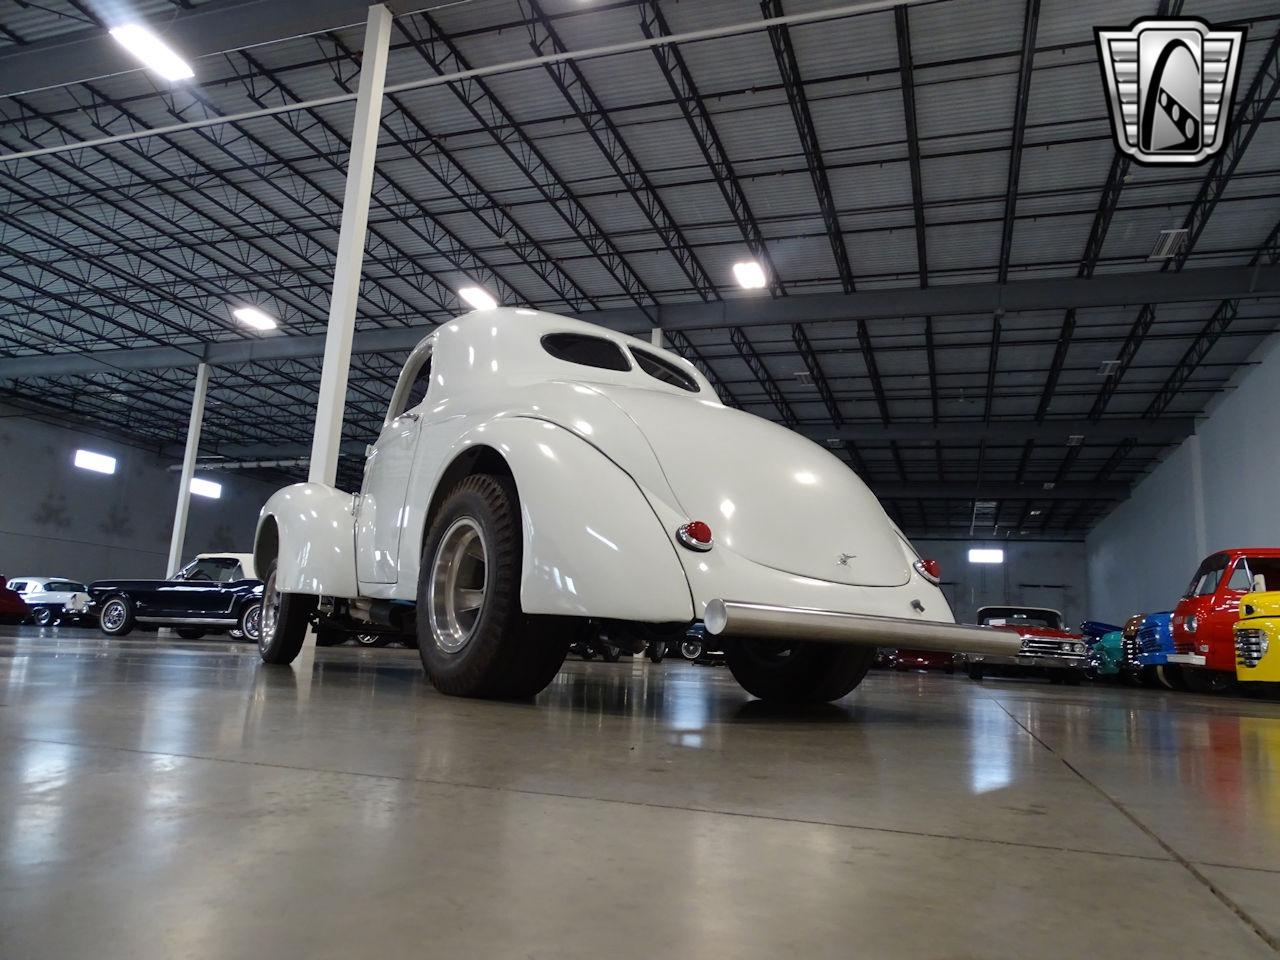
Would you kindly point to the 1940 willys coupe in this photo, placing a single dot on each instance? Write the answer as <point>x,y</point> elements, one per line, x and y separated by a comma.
<point>536,473</point>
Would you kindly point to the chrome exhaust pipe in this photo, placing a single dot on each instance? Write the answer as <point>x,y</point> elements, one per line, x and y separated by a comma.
<point>734,618</point>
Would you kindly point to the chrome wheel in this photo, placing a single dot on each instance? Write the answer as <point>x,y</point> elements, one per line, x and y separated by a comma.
<point>690,649</point>
<point>252,622</point>
<point>269,616</point>
<point>113,615</point>
<point>459,581</point>
<point>44,616</point>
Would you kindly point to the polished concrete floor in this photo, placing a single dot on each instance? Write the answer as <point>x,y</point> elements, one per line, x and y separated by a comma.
<point>164,799</point>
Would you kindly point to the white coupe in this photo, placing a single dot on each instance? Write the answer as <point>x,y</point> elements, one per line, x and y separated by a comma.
<point>536,473</point>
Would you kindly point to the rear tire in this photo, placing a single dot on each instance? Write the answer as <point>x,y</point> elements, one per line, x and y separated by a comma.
<point>975,672</point>
<point>284,621</point>
<point>657,649</point>
<point>690,649</point>
<point>251,622</point>
<point>43,616</point>
<point>116,617</point>
<point>800,672</point>
<point>473,638</point>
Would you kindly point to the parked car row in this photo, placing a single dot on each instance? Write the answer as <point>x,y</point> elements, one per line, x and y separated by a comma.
<point>1224,630</point>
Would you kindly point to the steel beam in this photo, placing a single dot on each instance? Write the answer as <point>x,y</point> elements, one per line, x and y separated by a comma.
<point>1217,324</point>
<point>987,490</point>
<point>789,68</point>
<point>979,298</point>
<point>672,64</point>
<point>1011,433</point>
<point>592,114</point>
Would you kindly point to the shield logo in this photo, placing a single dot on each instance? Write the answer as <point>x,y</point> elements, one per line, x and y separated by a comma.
<point>1170,84</point>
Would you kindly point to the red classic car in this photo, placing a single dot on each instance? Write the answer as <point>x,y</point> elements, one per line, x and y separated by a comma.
<point>12,607</point>
<point>1203,642</point>
<point>1048,648</point>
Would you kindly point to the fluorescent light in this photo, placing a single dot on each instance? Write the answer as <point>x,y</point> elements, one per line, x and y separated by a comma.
<point>750,275</point>
<point>154,53</point>
<point>206,488</point>
<point>478,298</point>
<point>97,462</point>
<point>253,317</point>
<point>978,555</point>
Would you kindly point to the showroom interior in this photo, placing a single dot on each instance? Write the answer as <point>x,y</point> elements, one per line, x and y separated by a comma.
<point>650,477</point>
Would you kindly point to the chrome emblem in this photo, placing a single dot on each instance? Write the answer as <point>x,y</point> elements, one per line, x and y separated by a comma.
<point>1170,83</point>
<point>844,558</point>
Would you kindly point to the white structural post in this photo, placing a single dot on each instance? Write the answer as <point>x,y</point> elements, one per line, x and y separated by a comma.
<point>346,275</point>
<point>655,336</point>
<point>188,469</point>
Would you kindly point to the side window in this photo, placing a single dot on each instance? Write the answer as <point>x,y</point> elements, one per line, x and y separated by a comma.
<point>586,350</point>
<point>1264,573</point>
<point>660,368</point>
<point>18,586</point>
<point>415,380</point>
<point>418,389</point>
<point>1241,578</point>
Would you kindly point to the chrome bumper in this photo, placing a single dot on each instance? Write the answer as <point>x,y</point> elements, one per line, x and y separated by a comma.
<point>1039,661</point>
<point>1190,659</point>
<point>734,618</point>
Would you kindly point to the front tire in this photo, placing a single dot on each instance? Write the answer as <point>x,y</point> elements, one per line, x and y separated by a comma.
<point>43,616</point>
<point>116,618</point>
<point>798,673</point>
<point>473,638</point>
<point>190,633</point>
<point>690,649</point>
<point>284,621</point>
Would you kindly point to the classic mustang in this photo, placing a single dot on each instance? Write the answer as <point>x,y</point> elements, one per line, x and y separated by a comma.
<point>215,592</point>
<point>535,473</point>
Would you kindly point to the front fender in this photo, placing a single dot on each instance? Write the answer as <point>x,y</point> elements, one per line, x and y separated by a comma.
<point>308,529</point>
<point>593,546</point>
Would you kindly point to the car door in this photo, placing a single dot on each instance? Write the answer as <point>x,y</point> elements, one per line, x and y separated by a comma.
<point>387,468</point>
<point>196,591</point>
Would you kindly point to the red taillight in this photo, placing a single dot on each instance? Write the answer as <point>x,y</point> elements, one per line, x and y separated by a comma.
<point>931,570</point>
<point>695,535</point>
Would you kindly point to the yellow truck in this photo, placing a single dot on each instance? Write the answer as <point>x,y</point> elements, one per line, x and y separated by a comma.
<point>1257,636</point>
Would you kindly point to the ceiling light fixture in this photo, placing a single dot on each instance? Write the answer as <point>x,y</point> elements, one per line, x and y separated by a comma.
<point>478,298</point>
<point>750,275</point>
<point>154,53</point>
<point>253,317</point>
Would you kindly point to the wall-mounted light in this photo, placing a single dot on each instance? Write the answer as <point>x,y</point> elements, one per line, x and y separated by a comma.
<point>154,53</point>
<point>206,488</point>
<point>97,462</point>
<point>986,555</point>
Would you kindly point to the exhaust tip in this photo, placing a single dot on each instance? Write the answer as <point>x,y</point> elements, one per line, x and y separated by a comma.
<point>715,617</point>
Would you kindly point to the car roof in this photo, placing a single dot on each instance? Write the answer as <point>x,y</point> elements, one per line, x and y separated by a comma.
<point>43,580</point>
<point>1020,609</point>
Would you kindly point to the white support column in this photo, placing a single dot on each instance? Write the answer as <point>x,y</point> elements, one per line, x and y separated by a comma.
<point>655,336</point>
<point>188,469</point>
<point>350,260</point>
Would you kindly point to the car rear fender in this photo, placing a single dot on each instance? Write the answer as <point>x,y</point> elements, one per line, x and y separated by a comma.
<point>593,546</point>
<point>308,530</point>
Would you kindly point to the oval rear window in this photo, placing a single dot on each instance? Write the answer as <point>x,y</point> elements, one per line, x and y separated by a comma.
<point>586,350</point>
<point>660,368</point>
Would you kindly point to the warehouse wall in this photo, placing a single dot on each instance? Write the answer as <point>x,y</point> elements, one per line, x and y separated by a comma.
<point>1036,573</point>
<point>1216,490</point>
<point>57,519</point>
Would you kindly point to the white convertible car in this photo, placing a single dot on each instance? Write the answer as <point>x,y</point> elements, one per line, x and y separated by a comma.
<point>535,474</point>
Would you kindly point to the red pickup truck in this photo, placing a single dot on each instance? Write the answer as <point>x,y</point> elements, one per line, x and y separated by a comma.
<point>1204,645</point>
